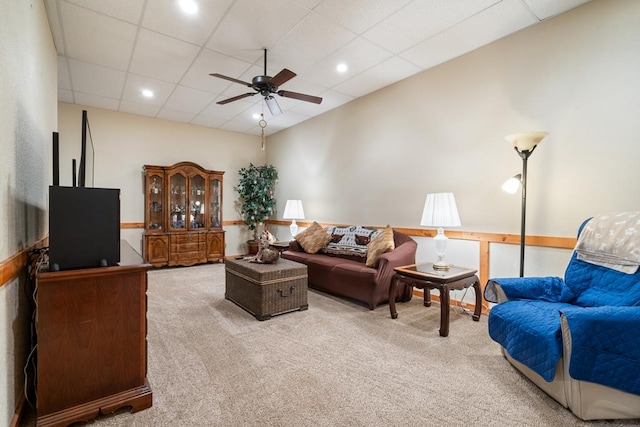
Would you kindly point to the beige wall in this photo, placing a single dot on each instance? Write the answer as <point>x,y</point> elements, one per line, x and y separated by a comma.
<point>28,79</point>
<point>373,161</point>
<point>123,143</point>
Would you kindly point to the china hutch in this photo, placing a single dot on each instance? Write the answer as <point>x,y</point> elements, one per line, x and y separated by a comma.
<point>183,215</point>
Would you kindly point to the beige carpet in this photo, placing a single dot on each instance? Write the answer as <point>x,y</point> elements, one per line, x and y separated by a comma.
<point>336,364</point>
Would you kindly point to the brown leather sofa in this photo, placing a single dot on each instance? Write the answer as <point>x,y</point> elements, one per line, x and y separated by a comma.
<point>353,279</point>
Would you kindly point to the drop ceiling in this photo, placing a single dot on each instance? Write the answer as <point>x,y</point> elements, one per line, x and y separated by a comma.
<point>109,51</point>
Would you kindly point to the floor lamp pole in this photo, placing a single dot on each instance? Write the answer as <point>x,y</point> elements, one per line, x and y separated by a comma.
<point>523,217</point>
<point>524,144</point>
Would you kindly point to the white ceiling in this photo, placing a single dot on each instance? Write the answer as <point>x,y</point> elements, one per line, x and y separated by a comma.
<point>109,50</point>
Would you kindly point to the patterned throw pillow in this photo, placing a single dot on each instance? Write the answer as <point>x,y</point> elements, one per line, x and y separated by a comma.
<point>380,244</point>
<point>352,242</point>
<point>313,238</point>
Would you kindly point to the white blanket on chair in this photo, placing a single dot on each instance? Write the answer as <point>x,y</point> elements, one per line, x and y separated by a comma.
<point>612,241</point>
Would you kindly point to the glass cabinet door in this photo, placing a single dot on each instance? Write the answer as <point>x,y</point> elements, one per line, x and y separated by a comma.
<point>155,211</point>
<point>197,202</point>
<point>177,201</point>
<point>215,198</point>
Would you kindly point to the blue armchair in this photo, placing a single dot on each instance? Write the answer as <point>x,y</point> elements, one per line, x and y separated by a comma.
<point>578,338</point>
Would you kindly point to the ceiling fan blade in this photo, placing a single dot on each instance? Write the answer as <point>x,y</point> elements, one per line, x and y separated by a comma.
<point>282,77</point>
<point>231,79</point>
<point>300,96</point>
<point>235,98</point>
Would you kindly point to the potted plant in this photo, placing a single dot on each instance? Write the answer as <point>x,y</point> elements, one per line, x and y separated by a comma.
<point>256,188</point>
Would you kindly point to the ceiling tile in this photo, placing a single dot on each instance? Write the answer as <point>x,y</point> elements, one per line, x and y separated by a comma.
<point>309,42</point>
<point>91,100</point>
<point>309,4</point>
<point>422,19</point>
<point>65,95</point>
<point>227,111</point>
<point>358,15</point>
<point>210,122</point>
<point>176,116</point>
<point>359,55</point>
<point>166,17</point>
<point>64,81</point>
<point>139,109</point>
<point>162,57</point>
<point>286,119</point>
<point>492,24</point>
<point>110,50</point>
<point>209,62</point>
<point>51,7</point>
<point>128,10</point>
<point>544,9</point>
<point>383,74</point>
<point>97,38</point>
<point>330,100</point>
<point>188,100</point>
<point>253,25</point>
<point>93,79</point>
<point>135,84</point>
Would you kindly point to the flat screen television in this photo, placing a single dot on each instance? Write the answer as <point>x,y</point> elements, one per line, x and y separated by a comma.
<point>84,227</point>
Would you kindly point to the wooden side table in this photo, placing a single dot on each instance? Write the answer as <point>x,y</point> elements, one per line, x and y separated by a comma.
<point>423,276</point>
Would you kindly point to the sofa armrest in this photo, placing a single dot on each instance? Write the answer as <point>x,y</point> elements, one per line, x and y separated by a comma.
<point>403,254</point>
<point>603,345</point>
<point>551,289</point>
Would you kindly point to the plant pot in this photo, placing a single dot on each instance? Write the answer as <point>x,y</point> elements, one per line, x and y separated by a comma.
<point>252,246</point>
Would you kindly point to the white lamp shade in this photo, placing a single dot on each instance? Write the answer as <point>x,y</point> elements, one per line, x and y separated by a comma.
<point>526,141</point>
<point>440,210</point>
<point>512,184</point>
<point>293,210</point>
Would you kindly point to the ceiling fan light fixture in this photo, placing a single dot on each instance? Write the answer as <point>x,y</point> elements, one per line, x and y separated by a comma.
<point>272,104</point>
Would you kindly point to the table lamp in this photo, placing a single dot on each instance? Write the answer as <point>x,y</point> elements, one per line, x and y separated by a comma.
<point>440,211</point>
<point>293,210</point>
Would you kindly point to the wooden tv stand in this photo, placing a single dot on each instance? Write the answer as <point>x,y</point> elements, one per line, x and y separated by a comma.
<point>92,341</point>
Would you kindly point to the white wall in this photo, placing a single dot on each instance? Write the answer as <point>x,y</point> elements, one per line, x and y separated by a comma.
<point>28,80</point>
<point>124,143</point>
<point>372,161</point>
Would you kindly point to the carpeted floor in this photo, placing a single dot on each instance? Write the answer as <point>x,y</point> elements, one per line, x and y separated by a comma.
<point>335,364</point>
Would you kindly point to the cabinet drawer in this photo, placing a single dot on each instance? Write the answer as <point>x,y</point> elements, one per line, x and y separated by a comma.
<point>187,238</point>
<point>187,247</point>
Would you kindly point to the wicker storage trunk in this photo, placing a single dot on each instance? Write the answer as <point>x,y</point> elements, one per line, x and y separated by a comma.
<point>265,290</point>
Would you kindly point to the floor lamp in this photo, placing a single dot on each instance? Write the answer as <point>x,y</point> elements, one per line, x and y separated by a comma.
<point>524,144</point>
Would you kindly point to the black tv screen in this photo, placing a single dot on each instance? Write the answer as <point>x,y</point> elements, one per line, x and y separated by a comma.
<point>84,227</point>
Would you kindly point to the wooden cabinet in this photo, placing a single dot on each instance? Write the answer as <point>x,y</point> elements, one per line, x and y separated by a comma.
<point>183,215</point>
<point>91,327</point>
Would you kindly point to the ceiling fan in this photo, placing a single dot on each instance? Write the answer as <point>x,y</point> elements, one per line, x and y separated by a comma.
<point>266,86</point>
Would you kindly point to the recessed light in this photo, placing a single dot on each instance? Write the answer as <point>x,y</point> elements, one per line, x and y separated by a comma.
<point>147,93</point>
<point>256,116</point>
<point>190,7</point>
<point>341,68</point>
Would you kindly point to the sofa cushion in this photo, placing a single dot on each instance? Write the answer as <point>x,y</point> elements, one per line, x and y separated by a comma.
<point>313,238</point>
<point>349,242</point>
<point>382,243</point>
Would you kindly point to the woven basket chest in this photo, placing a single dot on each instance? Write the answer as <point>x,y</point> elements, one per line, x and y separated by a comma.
<point>265,290</point>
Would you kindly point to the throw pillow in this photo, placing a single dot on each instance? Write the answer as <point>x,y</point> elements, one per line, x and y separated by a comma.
<point>313,238</point>
<point>380,244</point>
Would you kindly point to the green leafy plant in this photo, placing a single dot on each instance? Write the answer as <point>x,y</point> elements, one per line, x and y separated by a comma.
<point>256,188</point>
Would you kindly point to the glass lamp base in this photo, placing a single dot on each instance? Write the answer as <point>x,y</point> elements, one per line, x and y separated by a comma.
<point>441,266</point>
